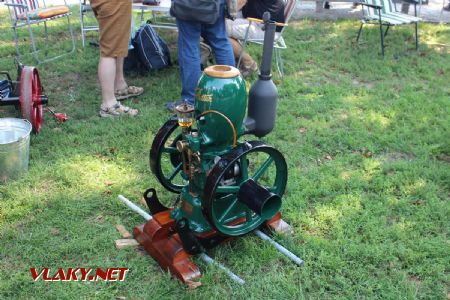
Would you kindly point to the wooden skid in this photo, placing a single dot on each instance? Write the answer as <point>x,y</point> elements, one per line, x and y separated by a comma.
<point>162,242</point>
<point>278,225</point>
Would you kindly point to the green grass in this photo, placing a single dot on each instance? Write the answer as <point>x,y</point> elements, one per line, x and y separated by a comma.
<point>367,143</point>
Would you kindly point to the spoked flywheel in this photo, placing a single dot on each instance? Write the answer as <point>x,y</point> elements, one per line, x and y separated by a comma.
<point>30,97</point>
<point>251,161</point>
<point>165,160</point>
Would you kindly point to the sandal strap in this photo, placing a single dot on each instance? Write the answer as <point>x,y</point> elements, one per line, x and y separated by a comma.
<point>135,89</point>
<point>121,108</point>
<point>121,92</point>
<point>118,109</point>
<point>129,90</point>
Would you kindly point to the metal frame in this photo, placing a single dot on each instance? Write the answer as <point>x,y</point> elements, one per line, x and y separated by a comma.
<point>14,7</point>
<point>156,10</point>
<point>371,20</point>
<point>84,8</point>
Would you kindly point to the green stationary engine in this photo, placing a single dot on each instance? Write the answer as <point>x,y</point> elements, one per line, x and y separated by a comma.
<point>226,184</point>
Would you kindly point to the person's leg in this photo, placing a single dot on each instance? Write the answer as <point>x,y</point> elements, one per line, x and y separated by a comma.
<point>114,22</point>
<point>121,88</point>
<point>246,59</point>
<point>119,80</point>
<point>217,38</point>
<point>106,76</point>
<point>189,58</point>
<point>237,30</point>
<point>247,66</point>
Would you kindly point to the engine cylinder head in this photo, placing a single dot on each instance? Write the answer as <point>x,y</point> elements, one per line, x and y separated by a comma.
<point>220,105</point>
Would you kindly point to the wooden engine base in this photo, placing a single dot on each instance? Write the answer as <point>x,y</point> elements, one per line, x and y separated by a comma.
<point>162,242</point>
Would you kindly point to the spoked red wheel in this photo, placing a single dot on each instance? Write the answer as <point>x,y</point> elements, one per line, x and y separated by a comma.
<point>30,97</point>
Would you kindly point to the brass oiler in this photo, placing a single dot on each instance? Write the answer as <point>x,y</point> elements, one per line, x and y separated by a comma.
<point>185,114</point>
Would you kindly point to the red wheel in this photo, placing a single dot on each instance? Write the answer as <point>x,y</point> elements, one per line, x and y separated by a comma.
<point>30,97</point>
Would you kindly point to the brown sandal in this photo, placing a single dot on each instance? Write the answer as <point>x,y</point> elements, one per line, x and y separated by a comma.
<point>129,91</point>
<point>117,110</point>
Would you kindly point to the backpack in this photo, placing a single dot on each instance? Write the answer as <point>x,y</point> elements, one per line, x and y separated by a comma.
<point>151,50</point>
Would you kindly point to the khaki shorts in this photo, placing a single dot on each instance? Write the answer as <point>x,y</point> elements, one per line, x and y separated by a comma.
<point>114,20</point>
<point>238,27</point>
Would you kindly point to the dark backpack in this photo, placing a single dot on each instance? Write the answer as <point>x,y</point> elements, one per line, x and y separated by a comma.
<point>151,50</point>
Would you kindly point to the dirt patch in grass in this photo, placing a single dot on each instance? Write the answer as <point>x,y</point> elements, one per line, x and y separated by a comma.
<point>10,263</point>
<point>69,80</point>
<point>416,280</point>
<point>362,83</point>
<point>96,219</point>
<point>62,83</point>
<point>396,156</point>
<point>444,157</point>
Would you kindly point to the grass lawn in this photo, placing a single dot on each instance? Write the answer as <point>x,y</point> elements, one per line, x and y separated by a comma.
<point>366,138</point>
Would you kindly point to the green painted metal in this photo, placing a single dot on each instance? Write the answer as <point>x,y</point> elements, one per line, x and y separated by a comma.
<point>227,96</point>
<point>191,194</point>
<point>271,174</point>
<point>191,209</point>
<point>219,102</point>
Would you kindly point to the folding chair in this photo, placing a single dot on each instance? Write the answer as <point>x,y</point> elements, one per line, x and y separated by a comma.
<point>26,13</point>
<point>384,13</point>
<point>85,8</point>
<point>278,43</point>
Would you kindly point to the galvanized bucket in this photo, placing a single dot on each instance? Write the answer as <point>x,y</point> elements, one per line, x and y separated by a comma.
<point>14,148</point>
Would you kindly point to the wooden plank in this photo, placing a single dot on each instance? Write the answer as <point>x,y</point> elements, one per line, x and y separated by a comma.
<point>124,243</point>
<point>123,232</point>
<point>192,285</point>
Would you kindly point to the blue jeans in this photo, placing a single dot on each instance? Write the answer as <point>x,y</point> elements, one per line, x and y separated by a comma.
<point>189,50</point>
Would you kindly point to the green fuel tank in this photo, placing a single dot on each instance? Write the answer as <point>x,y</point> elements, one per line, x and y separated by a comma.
<point>220,106</point>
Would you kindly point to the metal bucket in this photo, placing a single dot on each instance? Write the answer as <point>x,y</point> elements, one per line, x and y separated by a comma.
<point>14,148</point>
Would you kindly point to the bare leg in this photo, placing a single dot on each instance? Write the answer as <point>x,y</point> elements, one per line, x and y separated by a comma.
<point>237,48</point>
<point>119,81</point>
<point>107,75</point>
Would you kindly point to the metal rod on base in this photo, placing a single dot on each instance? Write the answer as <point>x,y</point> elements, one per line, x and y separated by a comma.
<point>280,248</point>
<point>136,208</point>
<point>207,259</point>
